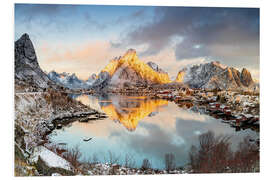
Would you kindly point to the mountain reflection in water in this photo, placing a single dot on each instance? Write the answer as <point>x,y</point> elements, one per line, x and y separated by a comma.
<point>129,113</point>
<point>149,129</point>
<point>127,110</point>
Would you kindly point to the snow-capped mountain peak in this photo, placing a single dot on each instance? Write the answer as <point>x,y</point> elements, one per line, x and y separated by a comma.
<point>215,75</point>
<point>68,80</point>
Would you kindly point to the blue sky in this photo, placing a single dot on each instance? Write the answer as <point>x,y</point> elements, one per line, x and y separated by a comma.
<point>83,38</point>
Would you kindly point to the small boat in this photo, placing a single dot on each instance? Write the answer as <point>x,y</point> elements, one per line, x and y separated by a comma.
<point>87,139</point>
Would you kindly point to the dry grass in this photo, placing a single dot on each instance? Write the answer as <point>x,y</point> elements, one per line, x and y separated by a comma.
<point>73,156</point>
<point>59,100</point>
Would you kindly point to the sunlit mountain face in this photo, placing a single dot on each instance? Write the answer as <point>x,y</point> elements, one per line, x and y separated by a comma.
<point>131,64</point>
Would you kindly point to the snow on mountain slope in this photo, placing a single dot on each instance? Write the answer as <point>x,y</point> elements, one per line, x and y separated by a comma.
<point>215,76</point>
<point>155,67</point>
<point>69,80</point>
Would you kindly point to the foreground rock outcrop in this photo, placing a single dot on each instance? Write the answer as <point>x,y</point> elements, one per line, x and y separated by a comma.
<point>37,114</point>
<point>28,74</point>
<point>49,163</point>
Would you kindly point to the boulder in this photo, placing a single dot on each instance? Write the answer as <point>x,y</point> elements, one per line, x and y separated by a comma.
<point>48,162</point>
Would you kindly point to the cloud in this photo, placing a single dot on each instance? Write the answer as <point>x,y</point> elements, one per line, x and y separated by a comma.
<point>227,34</point>
<point>91,57</point>
<point>166,60</point>
<point>31,11</point>
<point>44,14</point>
<point>92,22</point>
<point>44,19</point>
<point>80,58</point>
<point>56,17</point>
<point>136,15</point>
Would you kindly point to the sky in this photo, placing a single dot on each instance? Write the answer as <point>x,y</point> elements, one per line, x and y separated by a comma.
<point>82,39</point>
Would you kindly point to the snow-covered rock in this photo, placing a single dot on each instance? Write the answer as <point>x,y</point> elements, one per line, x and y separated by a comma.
<point>102,80</point>
<point>91,79</point>
<point>155,67</point>
<point>51,159</point>
<point>56,174</point>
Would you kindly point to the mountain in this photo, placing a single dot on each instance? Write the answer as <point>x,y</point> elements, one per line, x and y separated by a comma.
<point>130,70</point>
<point>70,81</point>
<point>155,67</point>
<point>91,79</point>
<point>215,76</point>
<point>27,70</point>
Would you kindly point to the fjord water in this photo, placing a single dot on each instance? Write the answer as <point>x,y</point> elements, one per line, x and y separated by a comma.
<point>141,128</point>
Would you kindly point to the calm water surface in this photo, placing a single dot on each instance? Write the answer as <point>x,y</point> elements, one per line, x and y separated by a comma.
<point>142,128</point>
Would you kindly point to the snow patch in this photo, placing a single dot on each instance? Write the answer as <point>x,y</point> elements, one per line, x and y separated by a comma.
<point>50,158</point>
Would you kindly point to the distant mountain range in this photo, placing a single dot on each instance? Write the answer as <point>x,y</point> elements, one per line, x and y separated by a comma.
<point>70,81</point>
<point>126,71</point>
<point>214,75</point>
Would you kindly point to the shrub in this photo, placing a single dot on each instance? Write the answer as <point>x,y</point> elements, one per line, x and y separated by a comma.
<point>214,155</point>
<point>73,156</point>
<point>146,164</point>
<point>170,162</point>
<point>246,158</point>
<point>129,161</point>
<point>94,158</point>
<point>112,158</point>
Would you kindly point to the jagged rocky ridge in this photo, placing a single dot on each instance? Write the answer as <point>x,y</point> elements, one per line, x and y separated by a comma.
<point>214,75</point>
<point>27,70</point>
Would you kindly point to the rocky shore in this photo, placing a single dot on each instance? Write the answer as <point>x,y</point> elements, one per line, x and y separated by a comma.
<point>115,169</point>
<point>239,109</point>
<point>36,115</point>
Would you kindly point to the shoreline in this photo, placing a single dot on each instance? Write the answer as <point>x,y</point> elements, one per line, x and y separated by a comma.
<point>185,100</point>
